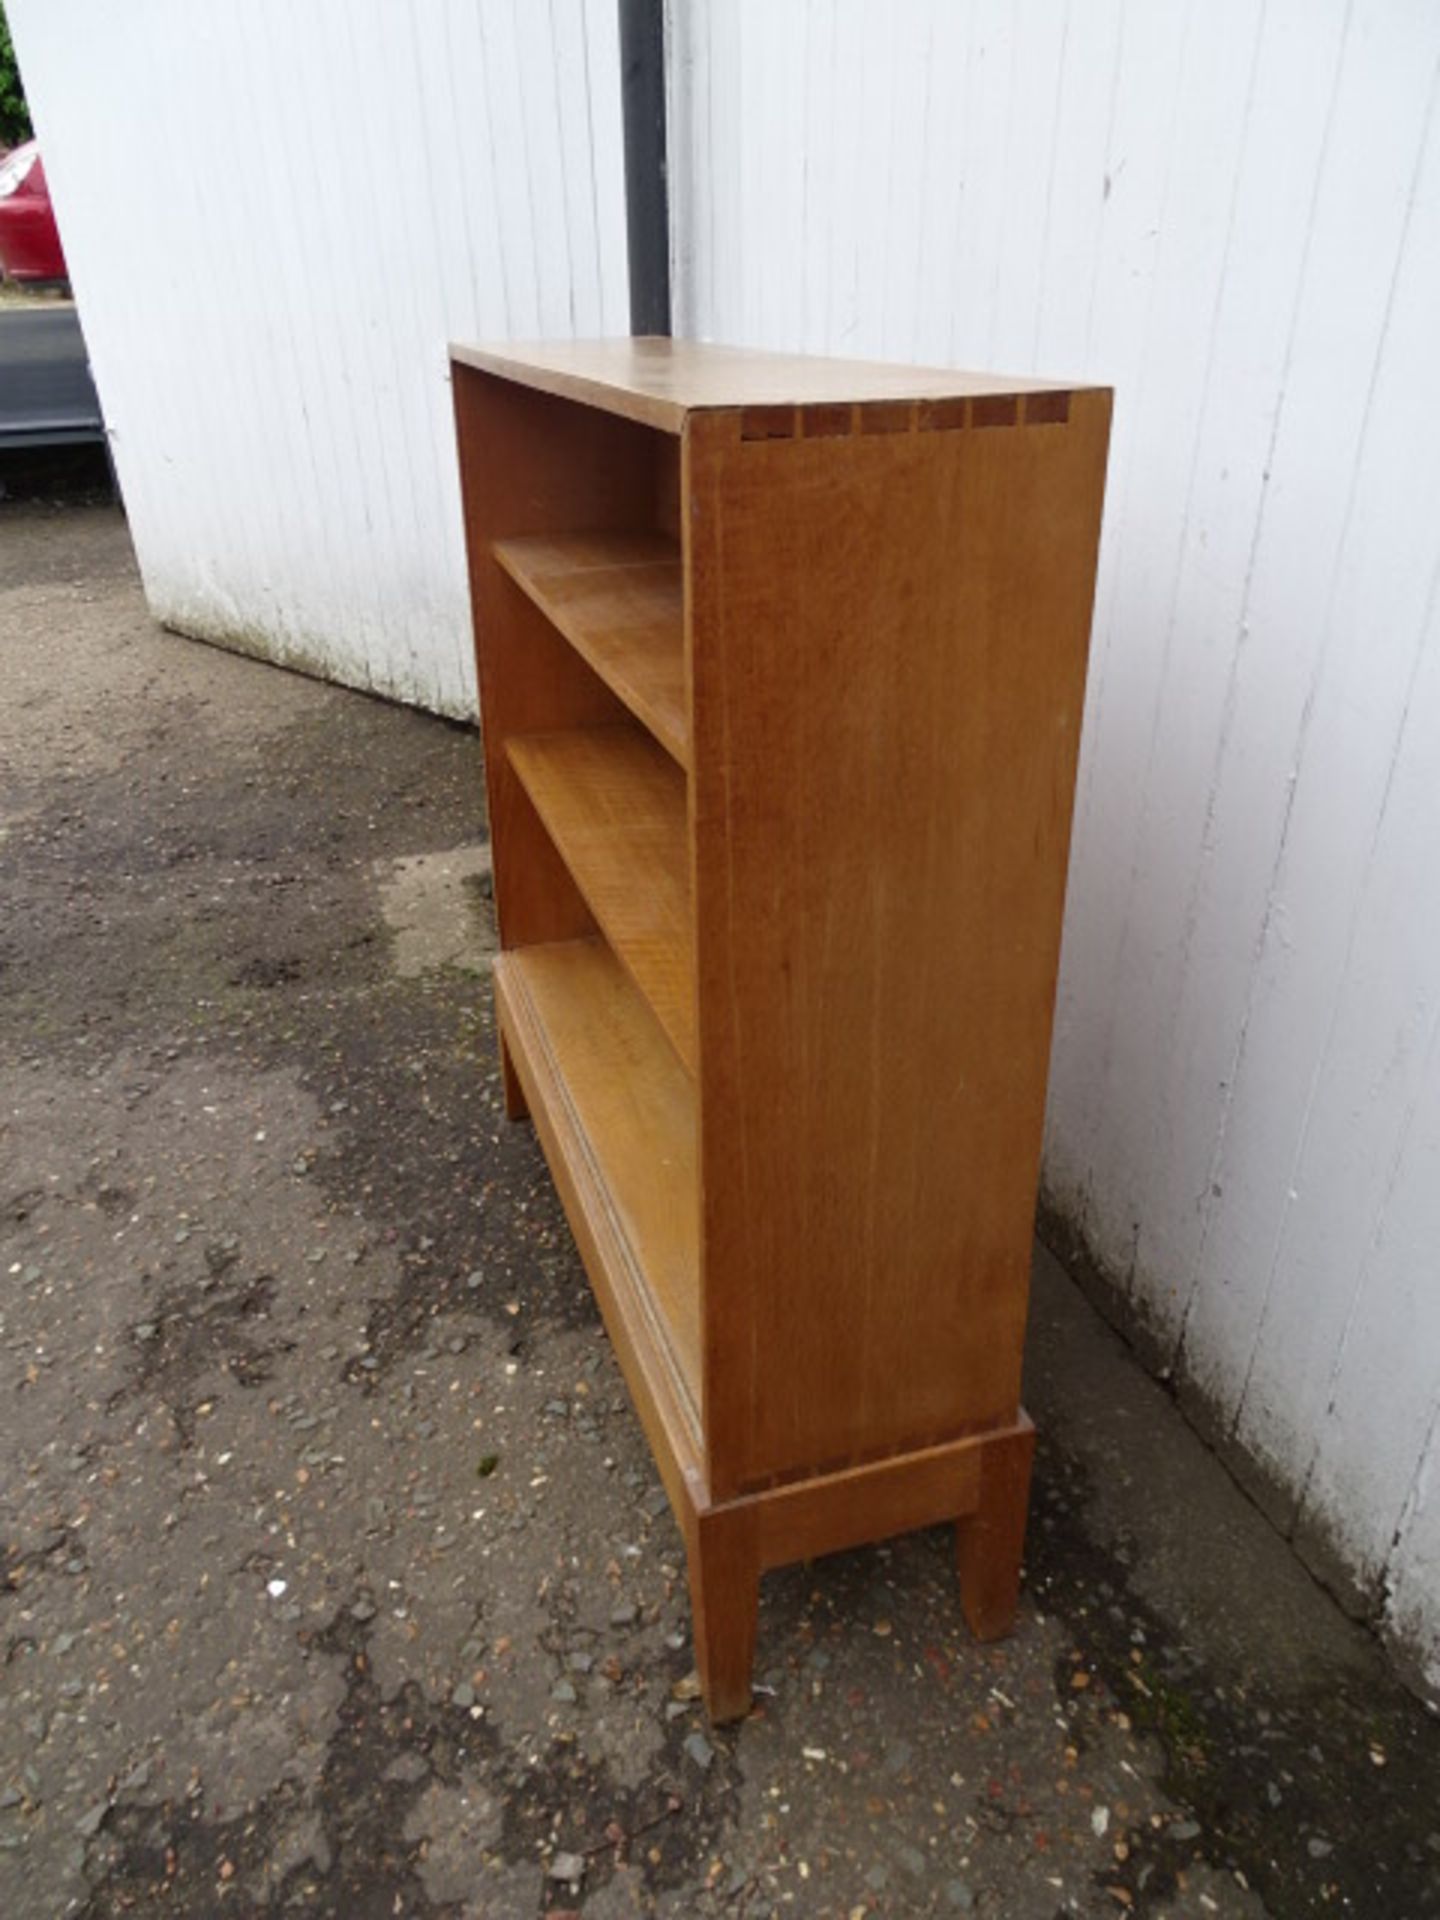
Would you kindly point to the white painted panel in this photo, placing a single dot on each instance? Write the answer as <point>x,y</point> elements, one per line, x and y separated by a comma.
<point>1371,1175</point>
<point>1347,953</point>
<point>1414,1577</point>
<point>1375,1438</point>
<point>840,187</point>
<point>981,224</point>
<point>1365,190</point>
<point>1229,211</point>
<point>1149,1137</point>
<point>340,188</point>
<point>1163,373</point>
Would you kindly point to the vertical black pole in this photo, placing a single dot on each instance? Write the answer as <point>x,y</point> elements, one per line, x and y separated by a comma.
<point>647,197</point>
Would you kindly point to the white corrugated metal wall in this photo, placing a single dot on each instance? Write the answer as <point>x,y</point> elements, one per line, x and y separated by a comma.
<point>1231,210</point>
<point>275,216</point>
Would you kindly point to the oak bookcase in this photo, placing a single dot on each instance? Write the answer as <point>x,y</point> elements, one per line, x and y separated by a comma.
<point>781,665</point>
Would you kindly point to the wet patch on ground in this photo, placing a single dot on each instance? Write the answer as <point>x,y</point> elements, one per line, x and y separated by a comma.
<point>337,1578</point>
<point>1255,1764</point>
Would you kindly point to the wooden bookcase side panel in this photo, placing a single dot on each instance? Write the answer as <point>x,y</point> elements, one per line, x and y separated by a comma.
<point>887,638</point>
<point>534,464</point>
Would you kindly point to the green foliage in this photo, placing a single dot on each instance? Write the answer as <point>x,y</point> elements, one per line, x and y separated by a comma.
<point>14,114</point>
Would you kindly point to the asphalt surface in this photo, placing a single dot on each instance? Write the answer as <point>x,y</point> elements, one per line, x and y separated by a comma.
<point>47,397</point>
<point>336,1579</point>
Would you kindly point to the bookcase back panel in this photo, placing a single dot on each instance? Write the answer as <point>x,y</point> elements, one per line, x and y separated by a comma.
<point>531,464</point>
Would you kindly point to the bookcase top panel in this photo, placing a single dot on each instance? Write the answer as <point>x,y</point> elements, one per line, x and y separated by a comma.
<point>659,381</point>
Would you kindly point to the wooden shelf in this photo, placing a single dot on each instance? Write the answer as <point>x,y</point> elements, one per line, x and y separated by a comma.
<point>618,600</point>
<point>617,1113</point>
<point>615,807</point>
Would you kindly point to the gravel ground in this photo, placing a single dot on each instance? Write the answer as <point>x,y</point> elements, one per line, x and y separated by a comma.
<point>336,1579</point>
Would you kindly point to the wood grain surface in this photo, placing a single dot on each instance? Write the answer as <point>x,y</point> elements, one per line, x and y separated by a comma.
<point>888,640</point>
<point>617,599</point>
<point>614,805</point>
<point>660,382</point>
<point>617,1116</point>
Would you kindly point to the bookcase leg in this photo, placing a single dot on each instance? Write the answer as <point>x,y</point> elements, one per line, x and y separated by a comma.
<point>725,1603</point>
<point>515,1107</point>
<point>991,1540</point>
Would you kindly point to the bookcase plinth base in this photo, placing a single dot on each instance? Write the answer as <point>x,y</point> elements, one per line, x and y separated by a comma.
<point>981,1482</point>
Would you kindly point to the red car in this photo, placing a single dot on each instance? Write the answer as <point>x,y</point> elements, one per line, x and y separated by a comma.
<point>29,238</point>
